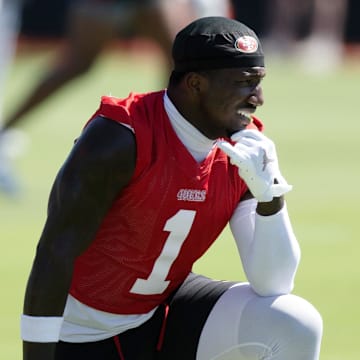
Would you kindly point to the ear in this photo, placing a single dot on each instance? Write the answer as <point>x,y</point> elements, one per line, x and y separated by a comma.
<point>196,83</point>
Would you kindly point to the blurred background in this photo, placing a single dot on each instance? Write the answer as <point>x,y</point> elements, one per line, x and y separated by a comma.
<point>57,58</point>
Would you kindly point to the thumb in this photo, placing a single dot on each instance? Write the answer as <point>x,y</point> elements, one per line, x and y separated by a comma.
<point>280,189</point>
<point>227,148</point>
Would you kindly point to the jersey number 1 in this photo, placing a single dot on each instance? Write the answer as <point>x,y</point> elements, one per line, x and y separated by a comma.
<point>178,227</point>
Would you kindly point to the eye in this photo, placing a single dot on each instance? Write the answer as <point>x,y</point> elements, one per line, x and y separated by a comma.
<point>252,82</point>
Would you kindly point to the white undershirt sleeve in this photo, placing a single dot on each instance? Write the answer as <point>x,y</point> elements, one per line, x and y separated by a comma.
<point>268,248</point>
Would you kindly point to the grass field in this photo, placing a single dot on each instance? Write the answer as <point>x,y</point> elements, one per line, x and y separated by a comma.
<point>316,124</point>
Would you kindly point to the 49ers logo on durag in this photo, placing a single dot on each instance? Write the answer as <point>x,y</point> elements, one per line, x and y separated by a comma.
<point>246,44</point>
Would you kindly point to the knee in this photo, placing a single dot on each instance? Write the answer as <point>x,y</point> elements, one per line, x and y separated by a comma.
<point>78,67</point>
<point>302,319</point>
<point>294,325</point>
<point>72,67</point>
<point>282,327</point>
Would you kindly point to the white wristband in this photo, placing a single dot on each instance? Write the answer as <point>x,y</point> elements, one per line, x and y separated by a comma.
<point>41,329</point>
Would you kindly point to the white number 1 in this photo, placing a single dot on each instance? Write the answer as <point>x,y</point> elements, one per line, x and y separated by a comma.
<point>179,227</point>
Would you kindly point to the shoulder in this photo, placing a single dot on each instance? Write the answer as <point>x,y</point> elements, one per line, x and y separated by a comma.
<point>103,137</point>
<point>127,110</point>
<point>123,129</point>
<point>100,164</point>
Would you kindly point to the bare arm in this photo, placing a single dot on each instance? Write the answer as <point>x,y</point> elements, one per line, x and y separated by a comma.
<point>98,167</point>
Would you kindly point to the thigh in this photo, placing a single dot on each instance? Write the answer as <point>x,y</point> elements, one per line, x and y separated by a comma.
<point>188,312</point>
<point>97,350</point>
<point>173,331</point>
<point>139,343</point>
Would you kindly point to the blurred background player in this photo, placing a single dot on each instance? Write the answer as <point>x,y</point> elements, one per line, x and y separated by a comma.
<point>9,141</point>
<point>323,50</point>
<point>311,32</point>
<point>91,25</point>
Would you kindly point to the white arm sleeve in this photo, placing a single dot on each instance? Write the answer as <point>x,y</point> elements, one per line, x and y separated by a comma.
<point>268,248</point>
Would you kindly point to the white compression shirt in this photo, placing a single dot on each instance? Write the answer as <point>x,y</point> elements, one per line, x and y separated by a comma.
<point>268,248</point>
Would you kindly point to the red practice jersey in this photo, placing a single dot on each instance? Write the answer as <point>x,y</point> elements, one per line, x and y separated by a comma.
<point>166,218</point>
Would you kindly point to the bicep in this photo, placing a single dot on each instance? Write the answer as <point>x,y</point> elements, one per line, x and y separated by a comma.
<point>99,166</point>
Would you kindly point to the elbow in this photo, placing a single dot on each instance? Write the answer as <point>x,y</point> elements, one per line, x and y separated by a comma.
<point>275,280</point>
<point>271,288</point>
<point>54,261</point>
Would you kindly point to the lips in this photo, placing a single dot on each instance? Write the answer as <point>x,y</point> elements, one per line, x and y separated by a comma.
<point>245,118</point>
<point>249,109</point>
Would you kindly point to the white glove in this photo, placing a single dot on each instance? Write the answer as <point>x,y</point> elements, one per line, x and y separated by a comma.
<point>255,156</point>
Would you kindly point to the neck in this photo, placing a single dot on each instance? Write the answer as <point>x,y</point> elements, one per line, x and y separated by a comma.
<point>196,143</point>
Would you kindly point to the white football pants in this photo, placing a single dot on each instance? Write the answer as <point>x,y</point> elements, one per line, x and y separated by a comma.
<point>245,326</point>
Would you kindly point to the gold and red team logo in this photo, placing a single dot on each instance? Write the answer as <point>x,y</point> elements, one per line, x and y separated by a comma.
<point>246,44</point>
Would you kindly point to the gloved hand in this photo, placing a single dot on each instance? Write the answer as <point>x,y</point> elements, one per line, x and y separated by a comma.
<point>255,156</point>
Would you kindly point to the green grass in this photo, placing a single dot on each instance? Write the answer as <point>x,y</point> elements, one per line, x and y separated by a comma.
<point>315,123</point>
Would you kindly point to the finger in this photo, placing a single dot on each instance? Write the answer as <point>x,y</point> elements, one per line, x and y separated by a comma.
<point>280,189</point>
<point>248,143</point>
<point>231,151</point>
<point>237,154</point>
<point>248,133</point>
<point>227,148</point>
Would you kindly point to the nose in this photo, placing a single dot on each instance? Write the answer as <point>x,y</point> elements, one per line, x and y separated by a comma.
<point>256,98</point>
